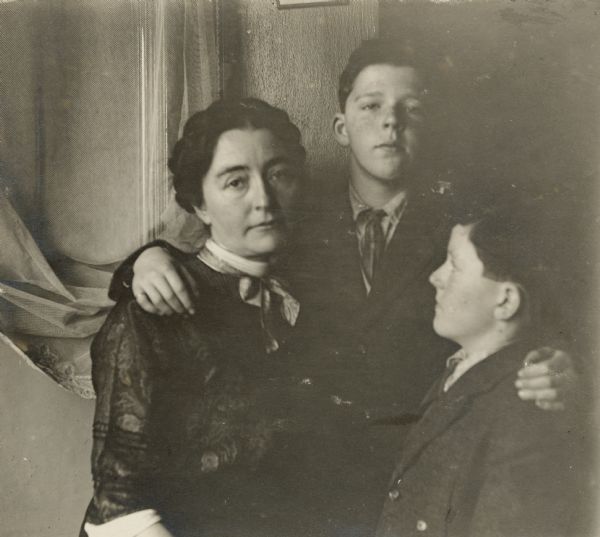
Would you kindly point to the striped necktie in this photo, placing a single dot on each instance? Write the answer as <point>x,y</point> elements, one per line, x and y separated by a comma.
<point>372,243</point>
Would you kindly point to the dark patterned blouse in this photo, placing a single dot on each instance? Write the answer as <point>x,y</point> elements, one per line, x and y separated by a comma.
<point>188,410</point>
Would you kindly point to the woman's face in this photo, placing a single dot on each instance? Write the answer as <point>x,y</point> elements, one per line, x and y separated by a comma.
<point>248,192</point>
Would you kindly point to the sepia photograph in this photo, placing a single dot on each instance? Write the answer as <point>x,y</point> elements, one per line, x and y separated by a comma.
<point>296,268</point>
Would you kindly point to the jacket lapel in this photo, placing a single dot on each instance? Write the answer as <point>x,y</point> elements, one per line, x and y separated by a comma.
<point>345,257</point>
<point>411,256</point>
<point>441,410</point>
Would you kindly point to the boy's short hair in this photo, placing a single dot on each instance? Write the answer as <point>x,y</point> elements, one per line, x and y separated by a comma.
<point>514,245</point>
<point>373,52</point>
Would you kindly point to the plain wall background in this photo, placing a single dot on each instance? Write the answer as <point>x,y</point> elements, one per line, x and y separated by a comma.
<point>45,446</point>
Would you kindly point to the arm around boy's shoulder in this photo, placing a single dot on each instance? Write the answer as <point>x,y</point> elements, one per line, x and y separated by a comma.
<point>120,284</point>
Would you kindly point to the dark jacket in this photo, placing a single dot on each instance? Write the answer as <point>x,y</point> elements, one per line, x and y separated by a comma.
<point>371,357</point>
<point>481,462</point>
<point>379,339</point>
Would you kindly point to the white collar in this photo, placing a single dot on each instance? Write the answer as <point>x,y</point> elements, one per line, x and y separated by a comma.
<point>251,267</point>
<point>466,360</point>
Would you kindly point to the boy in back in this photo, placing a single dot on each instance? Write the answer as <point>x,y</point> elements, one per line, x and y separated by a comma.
<point>480,461</point>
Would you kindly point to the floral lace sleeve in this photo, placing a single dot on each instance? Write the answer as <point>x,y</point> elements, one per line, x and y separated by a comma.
<point>125,355</point>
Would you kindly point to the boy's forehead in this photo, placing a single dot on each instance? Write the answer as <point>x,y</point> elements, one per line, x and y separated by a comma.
<point>382,76</point>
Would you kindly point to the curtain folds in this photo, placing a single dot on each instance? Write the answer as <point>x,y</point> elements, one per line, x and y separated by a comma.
<point>50,324</point>
<point>198,86</point>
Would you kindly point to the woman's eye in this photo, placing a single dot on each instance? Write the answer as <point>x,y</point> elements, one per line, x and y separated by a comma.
<point>236,183</point>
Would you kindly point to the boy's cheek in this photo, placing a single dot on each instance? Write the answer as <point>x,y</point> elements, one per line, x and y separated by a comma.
<point>359,122</point>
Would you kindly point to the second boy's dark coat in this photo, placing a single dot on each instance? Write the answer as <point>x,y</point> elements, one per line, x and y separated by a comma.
<point>481,462</point>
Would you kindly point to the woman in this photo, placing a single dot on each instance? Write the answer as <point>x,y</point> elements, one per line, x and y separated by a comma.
<point>185,411</point>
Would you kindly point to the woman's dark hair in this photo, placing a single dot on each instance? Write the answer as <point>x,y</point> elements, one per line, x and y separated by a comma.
<point>193,153</point>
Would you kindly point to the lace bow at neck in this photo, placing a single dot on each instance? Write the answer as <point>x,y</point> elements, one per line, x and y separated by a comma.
<point>256,287</point>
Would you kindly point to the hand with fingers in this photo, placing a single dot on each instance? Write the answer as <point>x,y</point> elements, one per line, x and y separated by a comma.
<point>161,285</point>
<point>548,378</point>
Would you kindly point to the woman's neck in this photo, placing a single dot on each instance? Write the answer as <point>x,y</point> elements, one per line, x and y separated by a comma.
<point>250,266</point>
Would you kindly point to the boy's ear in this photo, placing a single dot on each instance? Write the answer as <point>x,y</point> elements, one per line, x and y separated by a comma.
<point>339,129</point>
<point>202,214</point>
<point>509,302</point>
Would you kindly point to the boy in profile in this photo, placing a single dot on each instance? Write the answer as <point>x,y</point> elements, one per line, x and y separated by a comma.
<point>481,462</point>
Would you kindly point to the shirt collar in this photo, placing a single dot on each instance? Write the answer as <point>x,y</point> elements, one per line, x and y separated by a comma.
<point>393,208</point>
<point>466,360</point>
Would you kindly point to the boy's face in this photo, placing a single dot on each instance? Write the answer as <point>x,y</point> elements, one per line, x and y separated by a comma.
<point>382,122</point>
<point>466,300</point>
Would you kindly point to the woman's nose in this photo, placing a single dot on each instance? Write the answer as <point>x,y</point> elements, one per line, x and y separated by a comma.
<point>263,195</point>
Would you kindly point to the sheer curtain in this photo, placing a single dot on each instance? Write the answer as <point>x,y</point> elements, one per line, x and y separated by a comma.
<point>48,323</point>
<point>198,87</point>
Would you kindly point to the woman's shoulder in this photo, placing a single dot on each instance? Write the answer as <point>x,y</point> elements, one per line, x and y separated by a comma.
<point>128,329</point>
<point>208,281</point>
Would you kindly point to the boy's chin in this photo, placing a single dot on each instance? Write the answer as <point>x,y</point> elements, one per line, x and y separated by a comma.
<point>396,175</point>
<point>440,329</point>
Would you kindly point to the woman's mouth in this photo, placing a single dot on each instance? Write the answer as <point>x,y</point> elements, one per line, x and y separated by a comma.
<point>269,224</point>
